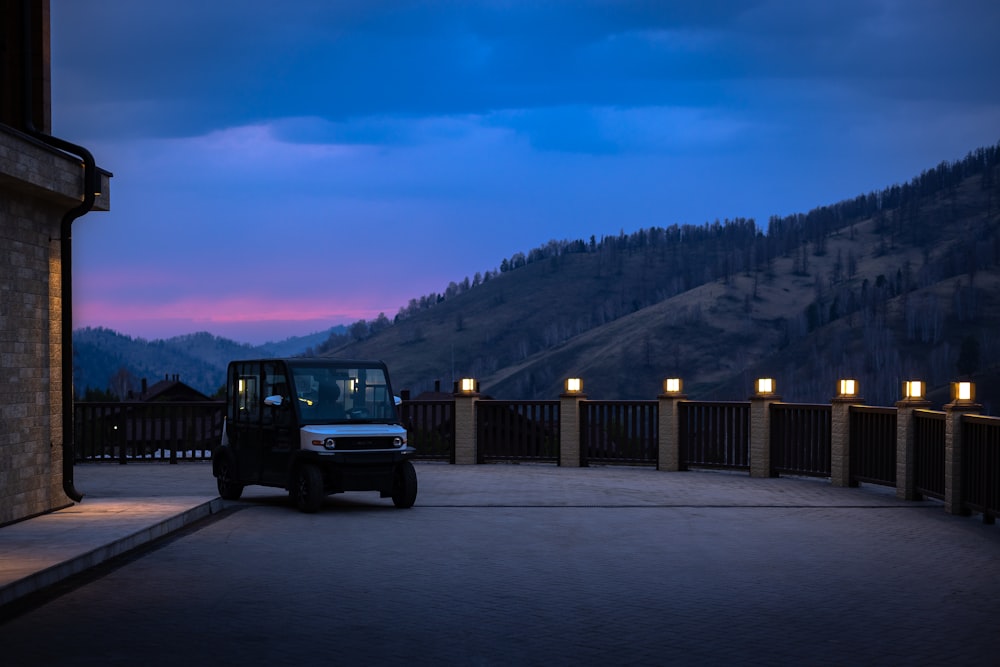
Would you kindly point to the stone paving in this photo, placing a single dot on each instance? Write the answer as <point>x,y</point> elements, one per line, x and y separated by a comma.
<point>528,564</point>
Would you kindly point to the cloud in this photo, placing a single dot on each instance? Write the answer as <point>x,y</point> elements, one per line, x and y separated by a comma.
<point>192,68</point>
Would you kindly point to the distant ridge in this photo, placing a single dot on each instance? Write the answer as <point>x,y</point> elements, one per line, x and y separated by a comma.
<point>105,360</point>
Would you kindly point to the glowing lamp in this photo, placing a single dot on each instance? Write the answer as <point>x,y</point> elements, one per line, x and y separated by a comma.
<point>963,392</point>
<point>848,388</point>
<point>574,385</point>
<point>672,386</point>
<point>913,389</point>
<point>765,386</point>
<point>468,385</point>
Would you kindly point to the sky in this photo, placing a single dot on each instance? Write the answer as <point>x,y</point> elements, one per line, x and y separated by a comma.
<point>283,167</point>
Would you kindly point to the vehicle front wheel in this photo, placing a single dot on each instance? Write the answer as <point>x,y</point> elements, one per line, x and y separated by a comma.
<point>308,489</point>
<point>404,486</point>
<point>229,487</point>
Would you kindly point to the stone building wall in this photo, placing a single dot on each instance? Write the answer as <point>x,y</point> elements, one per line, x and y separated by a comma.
<point>29,388</point>
<point>38,185</point>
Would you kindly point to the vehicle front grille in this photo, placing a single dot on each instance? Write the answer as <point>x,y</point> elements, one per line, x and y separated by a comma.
<point>354,444</point>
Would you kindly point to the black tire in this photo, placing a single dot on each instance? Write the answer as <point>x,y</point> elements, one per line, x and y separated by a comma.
<point>308,490</point>
<point>404,486</point>
<point>225,479</point>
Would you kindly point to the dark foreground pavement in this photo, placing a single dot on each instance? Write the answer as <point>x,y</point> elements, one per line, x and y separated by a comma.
<point>500,565</point>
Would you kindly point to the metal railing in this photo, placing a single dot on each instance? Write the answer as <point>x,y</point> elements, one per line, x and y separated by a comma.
<point>709,435</point>
<point>981,466</point>
<point>517,431</point>
<point>715,434</point>
<point>873,445</point>
<point>621,432</point>
<point>172,431</point>
<point>800,439</point>
<point>430,427</point>
<point>928,451</point>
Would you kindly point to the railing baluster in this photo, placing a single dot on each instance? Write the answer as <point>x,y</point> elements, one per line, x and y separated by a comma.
<point>873,444</point>
<point>928,447</point>
<point>800,439</point>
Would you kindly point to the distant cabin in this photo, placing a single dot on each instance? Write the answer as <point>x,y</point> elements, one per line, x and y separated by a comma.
<point>169,389</point>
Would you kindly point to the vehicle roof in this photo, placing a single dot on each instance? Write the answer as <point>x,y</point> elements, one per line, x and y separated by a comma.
<point>313,361</point>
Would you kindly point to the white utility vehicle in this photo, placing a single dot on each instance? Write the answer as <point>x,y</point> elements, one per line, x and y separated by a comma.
<point>313,427</point>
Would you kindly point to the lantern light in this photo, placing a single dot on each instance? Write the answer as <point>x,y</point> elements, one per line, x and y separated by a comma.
<point>848,388</point>
<point>765,386</point>
<point>963,392</point>
<point>672,386</point>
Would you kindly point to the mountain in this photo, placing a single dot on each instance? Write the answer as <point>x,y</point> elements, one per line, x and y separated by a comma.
<point>107,360</point>
<point>900,283</point>
<point>891,285</point>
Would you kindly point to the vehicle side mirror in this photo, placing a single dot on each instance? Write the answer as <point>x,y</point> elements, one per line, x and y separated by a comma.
<point>273,400</point>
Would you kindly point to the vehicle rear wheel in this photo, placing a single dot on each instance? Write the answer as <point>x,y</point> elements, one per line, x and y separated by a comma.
<point>225,479</point>
<point>404,486</point>
<point>308,489</point>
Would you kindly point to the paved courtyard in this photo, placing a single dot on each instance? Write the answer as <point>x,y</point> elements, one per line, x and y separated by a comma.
<point>527,564</point>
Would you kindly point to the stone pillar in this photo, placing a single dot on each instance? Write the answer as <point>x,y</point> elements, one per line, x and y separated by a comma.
<point>840,440</point>
<point>569,430</point>
<point>906,478</point>
<point>953,413</point>
<point>760,434</point>
<point>466,451</point>
<point>669,456</point>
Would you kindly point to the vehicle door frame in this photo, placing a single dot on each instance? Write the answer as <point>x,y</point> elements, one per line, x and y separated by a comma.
<point>243,418</point>
<point>279,430</point>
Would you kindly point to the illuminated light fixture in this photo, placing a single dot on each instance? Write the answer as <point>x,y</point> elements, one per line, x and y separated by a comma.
<point>963,392</point>
<point>240,385</point>
<point>467,385</point>
<point>765,386</point>
<point>672,386</point>
<point>913,389</point>
<point>574,385</point>
<point>848,388</point>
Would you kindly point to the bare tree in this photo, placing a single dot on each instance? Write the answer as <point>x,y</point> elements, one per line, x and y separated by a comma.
<point>122,382</point>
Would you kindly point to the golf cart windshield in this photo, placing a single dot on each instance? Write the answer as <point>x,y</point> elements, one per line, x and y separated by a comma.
<point>326,394</point>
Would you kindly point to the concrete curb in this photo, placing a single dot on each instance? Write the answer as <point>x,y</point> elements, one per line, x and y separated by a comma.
<point>75,565</point>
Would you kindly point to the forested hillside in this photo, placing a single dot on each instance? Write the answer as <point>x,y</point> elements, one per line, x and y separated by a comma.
<point>110,364</point>
<point>893,284</point>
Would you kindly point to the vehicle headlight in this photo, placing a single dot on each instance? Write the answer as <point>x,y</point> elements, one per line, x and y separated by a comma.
<point>398,442</point>
<point>330,443</point>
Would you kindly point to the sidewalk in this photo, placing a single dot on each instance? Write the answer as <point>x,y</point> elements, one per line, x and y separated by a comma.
<point>124,507</point>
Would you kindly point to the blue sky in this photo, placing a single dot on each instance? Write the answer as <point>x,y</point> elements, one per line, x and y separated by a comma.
<point>283,167</point>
